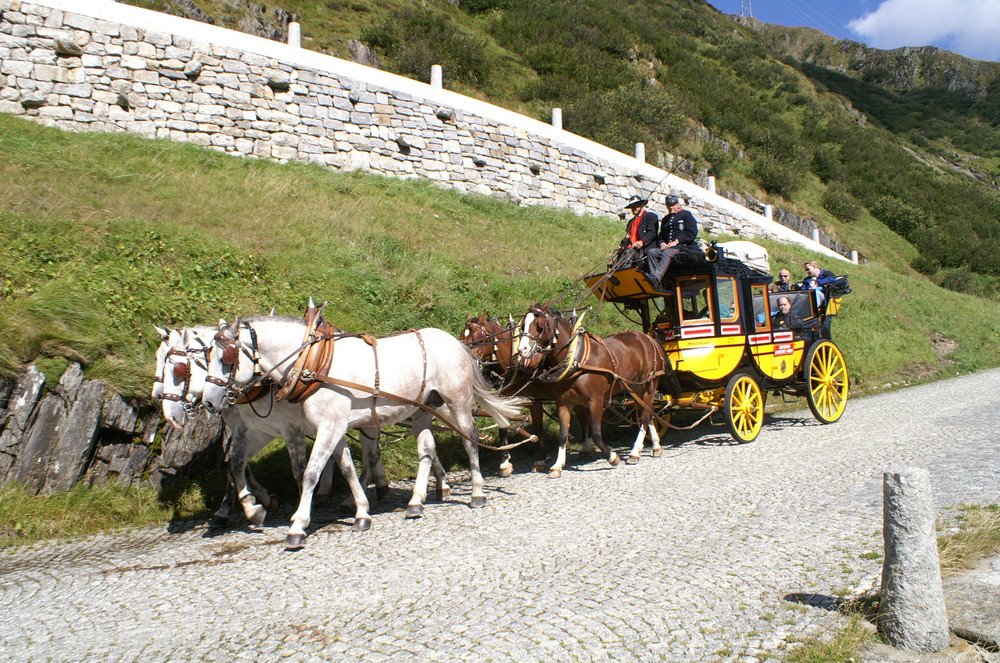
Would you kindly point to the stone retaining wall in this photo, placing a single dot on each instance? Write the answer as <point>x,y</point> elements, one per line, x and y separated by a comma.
<point>102,66</point>
<point>51,439</point>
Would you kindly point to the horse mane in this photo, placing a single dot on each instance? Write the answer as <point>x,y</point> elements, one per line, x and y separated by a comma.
<point>274,318</point>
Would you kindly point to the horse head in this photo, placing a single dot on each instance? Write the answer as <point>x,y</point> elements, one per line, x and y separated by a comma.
<point>224,370</point>
<point>183,373</point>
<point>538,335</point>
<point>167,337</point>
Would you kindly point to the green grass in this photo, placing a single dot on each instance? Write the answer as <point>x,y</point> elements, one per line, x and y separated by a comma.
<point>25,517</point>
<point>978,537</point>
<point>843,647</point>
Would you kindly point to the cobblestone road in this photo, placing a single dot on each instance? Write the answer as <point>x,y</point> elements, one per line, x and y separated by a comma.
<point>706,554</point>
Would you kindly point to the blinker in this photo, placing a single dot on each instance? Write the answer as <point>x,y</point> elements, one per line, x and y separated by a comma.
<point>182,370</point>
<point>229,354</point>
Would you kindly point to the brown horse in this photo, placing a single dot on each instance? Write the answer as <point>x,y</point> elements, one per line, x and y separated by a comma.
<point>494,345</point>
<point>579,369</point>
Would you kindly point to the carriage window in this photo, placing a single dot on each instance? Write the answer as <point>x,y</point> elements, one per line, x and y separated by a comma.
<point>666,311</point>
<point>728,307</point>
<point>761,308</point>
<point>694,293</point>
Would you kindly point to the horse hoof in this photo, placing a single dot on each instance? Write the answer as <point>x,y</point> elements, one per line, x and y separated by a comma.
<point>361,524</point>
<point>555,474</point>
<point>444,494</point>
<point>506,469</point>
<point>295,541</point>
<point>478,502</point>
<point>414,511</point>
<point>218,522</point>
<point>614,459</point>
<point>539,466</point>
<point>632,460</point>
<point>382,492</point>
<point>257,515</point>
<point>657,453</point>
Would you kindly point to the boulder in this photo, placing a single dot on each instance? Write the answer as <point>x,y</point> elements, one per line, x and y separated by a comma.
<point>75,446</point>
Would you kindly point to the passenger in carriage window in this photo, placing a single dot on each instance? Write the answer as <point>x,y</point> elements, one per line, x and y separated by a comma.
<point>784,318</point>
<point>815,279</point>
<point>784,282</point>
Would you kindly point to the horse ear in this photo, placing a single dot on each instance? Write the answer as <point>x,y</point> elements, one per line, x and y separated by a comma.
<point>234,328</point>
<point>312,304</point>
<point>222,324</point>
<point>162,331</point>
<point>510,316</point>
<point>273,309</point>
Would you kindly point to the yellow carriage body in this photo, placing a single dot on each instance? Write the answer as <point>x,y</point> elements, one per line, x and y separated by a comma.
<point>714,318</point>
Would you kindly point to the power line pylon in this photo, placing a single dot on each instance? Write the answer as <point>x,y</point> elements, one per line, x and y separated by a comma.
<point>745,10</point>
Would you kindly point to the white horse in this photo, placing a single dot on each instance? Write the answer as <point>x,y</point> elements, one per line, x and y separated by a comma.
<point>182,372</point>
<point>368,384</point>
<point>253,425</point>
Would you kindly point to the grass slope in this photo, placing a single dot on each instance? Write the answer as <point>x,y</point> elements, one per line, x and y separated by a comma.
<point>106,235</point>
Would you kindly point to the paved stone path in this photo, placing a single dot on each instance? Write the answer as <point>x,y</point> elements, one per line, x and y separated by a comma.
<point>714,552</point>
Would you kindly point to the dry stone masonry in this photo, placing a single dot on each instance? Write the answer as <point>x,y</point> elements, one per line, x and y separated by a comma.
<point>78,430</point>
<point>102,66</point>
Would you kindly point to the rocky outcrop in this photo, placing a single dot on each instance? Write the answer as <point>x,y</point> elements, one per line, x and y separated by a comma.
<point>80,431</point>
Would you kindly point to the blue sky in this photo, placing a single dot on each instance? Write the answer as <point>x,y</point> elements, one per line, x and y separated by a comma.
<point>969,27</point>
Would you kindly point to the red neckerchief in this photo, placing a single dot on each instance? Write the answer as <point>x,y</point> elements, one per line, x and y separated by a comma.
<point>633,230</point>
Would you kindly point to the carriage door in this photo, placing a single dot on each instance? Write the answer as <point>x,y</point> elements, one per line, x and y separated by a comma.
<point>731,342</point>
<point>772,363</point>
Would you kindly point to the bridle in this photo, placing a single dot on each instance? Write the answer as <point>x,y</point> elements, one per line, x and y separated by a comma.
<point>179,362</point>
<point>231,349</point>
<point>547,343</point>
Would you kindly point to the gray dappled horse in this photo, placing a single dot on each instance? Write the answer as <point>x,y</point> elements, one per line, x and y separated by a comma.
<point>418,375</point>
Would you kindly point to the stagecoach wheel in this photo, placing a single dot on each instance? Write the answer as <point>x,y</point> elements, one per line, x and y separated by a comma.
<point>826,381</point>
<point>744,408</point>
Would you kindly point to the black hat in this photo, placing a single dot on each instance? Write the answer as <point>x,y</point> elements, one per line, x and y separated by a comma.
<point>672,200</point>
<point>635,201</point>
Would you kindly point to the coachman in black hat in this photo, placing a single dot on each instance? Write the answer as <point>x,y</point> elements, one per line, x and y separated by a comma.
<point>642,232</point>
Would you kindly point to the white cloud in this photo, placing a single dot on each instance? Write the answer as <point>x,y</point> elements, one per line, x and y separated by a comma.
<point>969,27</point>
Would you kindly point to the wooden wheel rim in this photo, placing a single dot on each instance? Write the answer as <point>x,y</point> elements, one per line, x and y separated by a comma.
<point>745,408</point>
<point>828,382</point>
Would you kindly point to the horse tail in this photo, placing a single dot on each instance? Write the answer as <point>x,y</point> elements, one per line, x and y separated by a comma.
<point>500,408</point>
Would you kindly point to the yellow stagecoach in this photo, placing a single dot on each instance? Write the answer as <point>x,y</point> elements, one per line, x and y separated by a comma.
<point>713,314</point>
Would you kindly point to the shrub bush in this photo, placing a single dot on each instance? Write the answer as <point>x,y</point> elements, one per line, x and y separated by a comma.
<point>837,200</point>
<point>415,39</point>
<point>780,177</point>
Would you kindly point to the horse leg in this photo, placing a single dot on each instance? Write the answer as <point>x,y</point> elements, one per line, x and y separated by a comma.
<point>371,462</point>
<point>644,426</point>
<point>654,434</point>
<point>426,452</point>
<point>633,455</point>
<point>260,492</point>
<point>564,418</point>
<point>464,420</point>
<point>251,444</point>
<point>443,490</point>
<point>537,413</point>
<point>330,441</point>
<point>587,449</point>
<point>596,417</point>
